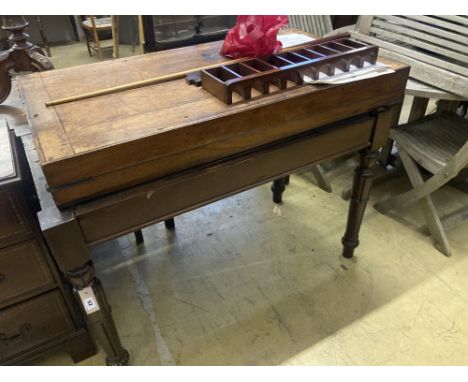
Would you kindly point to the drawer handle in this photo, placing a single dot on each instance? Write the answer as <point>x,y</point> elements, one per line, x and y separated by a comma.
<point>2,277</point>
<point>24,329</point>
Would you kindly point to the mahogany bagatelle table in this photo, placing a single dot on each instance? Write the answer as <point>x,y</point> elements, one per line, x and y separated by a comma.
<point>112,164</point>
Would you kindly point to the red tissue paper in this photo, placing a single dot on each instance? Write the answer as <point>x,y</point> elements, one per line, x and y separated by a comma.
<point>253,36</point>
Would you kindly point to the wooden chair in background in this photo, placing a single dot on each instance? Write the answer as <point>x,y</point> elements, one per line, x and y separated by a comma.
<point>318,25</point>
<point>94,27</point>
<point>439,144</point>
<point>434,47</point>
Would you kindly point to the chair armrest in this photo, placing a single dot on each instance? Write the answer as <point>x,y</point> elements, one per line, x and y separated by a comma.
<point>347,28</point>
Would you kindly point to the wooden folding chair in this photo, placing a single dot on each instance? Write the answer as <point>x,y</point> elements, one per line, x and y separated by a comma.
<point>439,144</point>
<point>435,47</point>
<point>318,25</point>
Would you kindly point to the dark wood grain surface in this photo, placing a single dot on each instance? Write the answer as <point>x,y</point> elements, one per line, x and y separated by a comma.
<point>95,146</point>
<point>37,313</point>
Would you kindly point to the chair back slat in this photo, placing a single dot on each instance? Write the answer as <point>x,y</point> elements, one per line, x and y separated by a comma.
<point>430,29</point>
<point>434,43</point>
<point>436,47</point>
<point>318,25</point>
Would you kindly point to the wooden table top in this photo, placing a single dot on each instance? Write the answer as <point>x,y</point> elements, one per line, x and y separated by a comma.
<point>84,126</point>
<point>94,146</point>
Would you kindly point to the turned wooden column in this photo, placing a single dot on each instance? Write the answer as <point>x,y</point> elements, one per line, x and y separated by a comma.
<point>278,186</point>
<point>21,57</point>
<point>360,195</point>
<point>170,224</point>
<point>100,323</point>
<point>66,242</point>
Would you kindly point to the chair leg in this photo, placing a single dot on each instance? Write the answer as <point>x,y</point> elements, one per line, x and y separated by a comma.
<point>321,178</point>
<point>97,45</point>
<point>460,160</point>
<point>433,221</point>
<point>115,36</point>
<point>435,227</point>
<point>141,34</point>
<point>418,108</point>
<point>87,44</point>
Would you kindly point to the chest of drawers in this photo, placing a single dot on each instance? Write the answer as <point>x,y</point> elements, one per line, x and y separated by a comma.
<point>37,312</point>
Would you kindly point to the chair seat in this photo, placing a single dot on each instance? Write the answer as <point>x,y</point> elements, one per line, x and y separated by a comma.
<point>102,23</point>
<point>432,141</point>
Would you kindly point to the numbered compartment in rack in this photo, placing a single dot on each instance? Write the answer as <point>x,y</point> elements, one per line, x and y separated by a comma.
<point>272,73</point>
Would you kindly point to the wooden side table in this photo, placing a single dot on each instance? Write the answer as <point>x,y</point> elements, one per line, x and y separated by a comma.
<point>286,132</point>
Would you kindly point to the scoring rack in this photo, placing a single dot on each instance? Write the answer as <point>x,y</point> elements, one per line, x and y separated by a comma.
<point>322,55</point>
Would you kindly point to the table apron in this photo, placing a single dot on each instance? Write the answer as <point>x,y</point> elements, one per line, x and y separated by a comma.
<point>191,189</point>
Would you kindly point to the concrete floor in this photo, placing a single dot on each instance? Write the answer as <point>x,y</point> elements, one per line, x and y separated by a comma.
<point>242,282</point>
<point>76,53</point>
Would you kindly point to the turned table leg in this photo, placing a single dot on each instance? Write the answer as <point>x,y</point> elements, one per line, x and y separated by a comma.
<point>360,195</point>
<point>88,289</point>
<point>278,188</point>
<point>170,224</point>
<point>68,247</point>
<point>139,236</point>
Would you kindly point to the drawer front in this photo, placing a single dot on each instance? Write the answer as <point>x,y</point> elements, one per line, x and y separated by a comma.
<point>23,268</point>
<point>13,223</point>
<point>32,323</point>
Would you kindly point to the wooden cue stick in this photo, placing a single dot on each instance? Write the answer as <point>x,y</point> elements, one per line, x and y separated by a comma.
<point>175,76</point>
<point>139,84</point>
